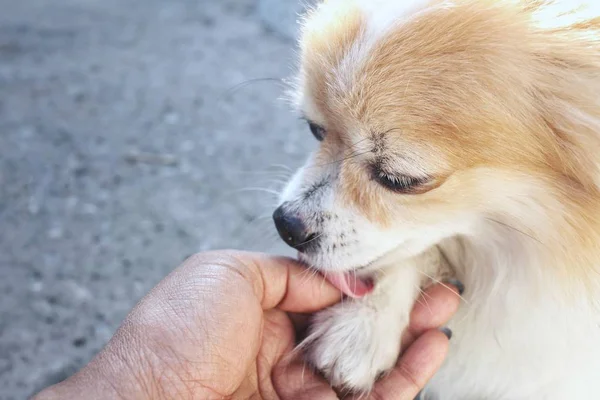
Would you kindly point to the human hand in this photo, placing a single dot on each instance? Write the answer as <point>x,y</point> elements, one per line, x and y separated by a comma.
<point>218,327</point>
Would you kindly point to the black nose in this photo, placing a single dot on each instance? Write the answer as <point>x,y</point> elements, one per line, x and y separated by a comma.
<point>293,231</point>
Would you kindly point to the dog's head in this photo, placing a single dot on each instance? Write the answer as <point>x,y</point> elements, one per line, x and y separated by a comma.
<point>436,118</point>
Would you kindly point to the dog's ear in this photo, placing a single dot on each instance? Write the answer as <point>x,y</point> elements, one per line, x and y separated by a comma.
<point>575,137</point>
<point>567,92</point>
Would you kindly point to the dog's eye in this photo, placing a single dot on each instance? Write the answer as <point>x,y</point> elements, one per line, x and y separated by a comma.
<point>317,131</point>
<point>399,184</point>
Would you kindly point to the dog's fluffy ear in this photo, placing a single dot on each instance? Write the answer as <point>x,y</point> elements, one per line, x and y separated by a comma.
<point>567,90</point>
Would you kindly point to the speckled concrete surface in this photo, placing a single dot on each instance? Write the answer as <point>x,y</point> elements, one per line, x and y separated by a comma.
<point>122,151</point>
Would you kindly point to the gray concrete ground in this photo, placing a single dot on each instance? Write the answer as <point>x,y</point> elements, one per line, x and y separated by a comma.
<point>122,152</point>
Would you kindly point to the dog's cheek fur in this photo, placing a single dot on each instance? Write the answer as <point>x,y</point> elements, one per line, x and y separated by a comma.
<point>357,191</point>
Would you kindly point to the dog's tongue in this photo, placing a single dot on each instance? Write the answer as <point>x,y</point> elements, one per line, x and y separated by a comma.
<point>350,284</point>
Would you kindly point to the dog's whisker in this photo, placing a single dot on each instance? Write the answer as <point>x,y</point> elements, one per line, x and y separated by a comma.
<point>508,226</point>
<point>341,160</point>
<point>307,274</point>
<point>323,281</point>
<point>314,238</point>
<point>284,167</point>
<point>437,281</point>
<point>234,89</point>
<point>424,296</point>
<point>353,145</point>
<point>282,174</point>
<point>279,181</point>
<point>257,189</point>
<point>419,301</point>
<point>420,295</point>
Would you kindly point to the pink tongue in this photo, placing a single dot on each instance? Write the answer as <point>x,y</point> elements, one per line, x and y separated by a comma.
<point>349,284</point>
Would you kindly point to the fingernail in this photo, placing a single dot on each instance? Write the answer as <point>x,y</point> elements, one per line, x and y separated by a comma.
<point>446,331</point>
<point>459,285</point>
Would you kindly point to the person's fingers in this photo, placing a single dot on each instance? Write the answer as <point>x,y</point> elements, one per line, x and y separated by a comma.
<point>301,324</point>
<point>277,337</point>
<point>414,369</point>
<point>277,342</point>
<point>277,281</point>
<point>294,380</point>
<point>290,286</point>
<point>433,309</point>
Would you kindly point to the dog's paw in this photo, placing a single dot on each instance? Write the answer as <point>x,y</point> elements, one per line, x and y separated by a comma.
<point>353,344</point>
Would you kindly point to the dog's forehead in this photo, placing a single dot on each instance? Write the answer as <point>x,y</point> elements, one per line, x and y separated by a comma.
<point>353,66</point>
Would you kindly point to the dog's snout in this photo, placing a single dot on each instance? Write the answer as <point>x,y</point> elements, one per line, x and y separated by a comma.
<point>292,230</point>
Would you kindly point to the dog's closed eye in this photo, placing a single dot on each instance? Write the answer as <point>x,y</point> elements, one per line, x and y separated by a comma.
<point>399,183</point>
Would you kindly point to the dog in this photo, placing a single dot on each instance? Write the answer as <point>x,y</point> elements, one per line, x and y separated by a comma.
<point>458,139</point>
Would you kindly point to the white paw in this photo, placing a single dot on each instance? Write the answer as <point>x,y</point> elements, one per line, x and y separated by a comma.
<point>352,344</point>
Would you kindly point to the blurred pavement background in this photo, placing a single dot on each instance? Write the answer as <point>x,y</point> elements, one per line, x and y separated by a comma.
<point>126,145</point>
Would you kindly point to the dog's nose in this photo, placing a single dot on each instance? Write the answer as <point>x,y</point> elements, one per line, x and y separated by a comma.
<point>292,230</point>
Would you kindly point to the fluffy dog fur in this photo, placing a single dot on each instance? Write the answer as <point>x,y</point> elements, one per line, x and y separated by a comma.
<point>493,106</point>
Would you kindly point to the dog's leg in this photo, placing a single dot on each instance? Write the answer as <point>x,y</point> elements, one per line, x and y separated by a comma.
<point>356,341</point>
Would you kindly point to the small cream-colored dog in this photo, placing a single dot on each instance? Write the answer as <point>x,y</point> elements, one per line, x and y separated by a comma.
<point>457,137</point>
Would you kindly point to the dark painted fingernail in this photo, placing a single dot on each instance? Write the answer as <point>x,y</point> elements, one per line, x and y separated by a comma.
<point>446,331</point>
<point>459,285</point>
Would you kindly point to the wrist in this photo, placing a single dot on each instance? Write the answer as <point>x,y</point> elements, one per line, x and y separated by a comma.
<point>114,373</point>
<point>129,368</point>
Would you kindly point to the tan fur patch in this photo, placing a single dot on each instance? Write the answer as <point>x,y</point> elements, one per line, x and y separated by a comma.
<point>328,34</point>
<point>478,85</point>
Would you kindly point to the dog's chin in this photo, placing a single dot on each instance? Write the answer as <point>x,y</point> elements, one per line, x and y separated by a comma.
<point>377,262</point>
<point>355,280</point>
